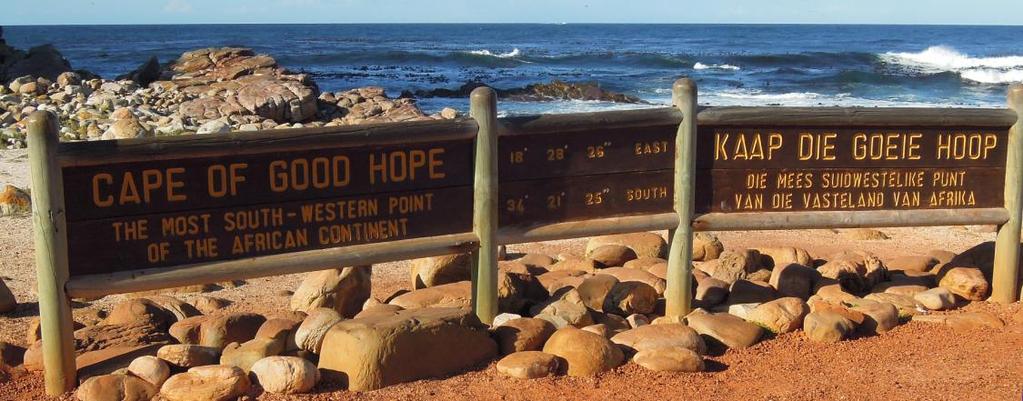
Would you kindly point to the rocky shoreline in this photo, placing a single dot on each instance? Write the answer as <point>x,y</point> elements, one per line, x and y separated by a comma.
<point>209,91</point>
<point>205,91</point>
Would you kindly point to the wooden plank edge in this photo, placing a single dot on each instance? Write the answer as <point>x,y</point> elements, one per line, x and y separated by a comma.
<point>844,219</point>
<point>587,228</point>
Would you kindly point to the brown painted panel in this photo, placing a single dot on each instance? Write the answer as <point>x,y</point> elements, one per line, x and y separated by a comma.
<point>744,147</point>
<point>178,238</point>
<point>163,186</point>
<point>599,151</point>
<point>553,200</point>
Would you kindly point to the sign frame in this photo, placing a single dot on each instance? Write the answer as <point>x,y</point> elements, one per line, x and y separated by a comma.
<point>48,156</point>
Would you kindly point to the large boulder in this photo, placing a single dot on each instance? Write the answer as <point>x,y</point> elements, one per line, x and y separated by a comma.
<point>245,84</point>
<point>453,295</point>
<point>633,274</point>
<point>105,336</point>
<point>567,305</point>
<point>309,335</point>
<point>654,336</point>
<point>127,128</point>
<point>528,365</point>
<point>746,292</point>
<point>436,270</point>
<point>522,334</point>
<point>536,262</point>
<point>733,265</point>
<point>936,299</point>
<point>556,280</point>
<point>856,272</point>
<point>12,355</point>
<point>670,359</point>
<point>7,301</point>
<point>218,331</point>
<point>246,354</point>
<point>188,355</point>
<point>206,383</point>
<point>965,282</point>
<point>186,331</point>
<point>725,329</point>
<point>912,263</point>
<point>151,369</point>
<point>906,305</point>
<point>593,290</point>
<point>370,353</point>
<point>628,297</point>
<point>180,309</point>
<point>643,244</point>
<point>585,353</point>
<point>41,61</point>
<point>344,290</point>
<point>794,280</point>
<point>115,388</point>
<point>278,99</point>
<point>710,292</point>
<point>782,315</point>
<point>13,202</point>
<point>145,74</point>
<point>285,374</point>
<point>827,326</point>
<point>611,255</point>
<point>278,328</point>
<point>880,317</point>
<point>772,258</point>
<point>140,310</point>
<point>706,247</point>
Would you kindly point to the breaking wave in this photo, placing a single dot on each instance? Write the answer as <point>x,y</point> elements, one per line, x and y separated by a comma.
<point>939,59</point>
<point>702,66</point>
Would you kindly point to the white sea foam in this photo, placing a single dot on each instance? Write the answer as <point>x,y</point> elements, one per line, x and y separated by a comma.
<point>936,59</point>
<point>992,76</point>
<point>702,66</point>
<point>514,53</point>
<point>752,97</point>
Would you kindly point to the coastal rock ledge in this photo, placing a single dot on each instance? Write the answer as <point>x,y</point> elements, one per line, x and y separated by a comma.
<point>205,91</point>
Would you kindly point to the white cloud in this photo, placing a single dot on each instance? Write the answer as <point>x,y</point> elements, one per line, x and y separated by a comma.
<point>177,6</point>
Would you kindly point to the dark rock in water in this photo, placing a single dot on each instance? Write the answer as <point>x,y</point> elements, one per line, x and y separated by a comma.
<point>556,90</point>
<point>461,91</point>
<point>560,90</point>
<point>40,61</point>
<point>146,73</point>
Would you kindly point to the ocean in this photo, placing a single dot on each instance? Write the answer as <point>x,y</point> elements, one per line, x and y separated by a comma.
<point>790,65</point>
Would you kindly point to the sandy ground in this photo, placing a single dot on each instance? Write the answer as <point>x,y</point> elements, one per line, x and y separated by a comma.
<point>916,361</point>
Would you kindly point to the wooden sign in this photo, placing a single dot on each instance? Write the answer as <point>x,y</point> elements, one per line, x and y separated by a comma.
<point>133,215</point>
<point>146,214</point>
<point>783,169</point>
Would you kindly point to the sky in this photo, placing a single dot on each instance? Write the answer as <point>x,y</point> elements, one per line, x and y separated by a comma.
<point>62,12</point>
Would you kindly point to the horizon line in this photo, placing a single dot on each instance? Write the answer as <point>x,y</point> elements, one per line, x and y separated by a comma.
<point>526,23</point>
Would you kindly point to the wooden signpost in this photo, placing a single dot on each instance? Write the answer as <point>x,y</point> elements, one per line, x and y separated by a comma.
<point>143,214</point>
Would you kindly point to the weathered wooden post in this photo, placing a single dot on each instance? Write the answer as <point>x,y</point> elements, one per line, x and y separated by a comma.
<point>483,108</point>
<point>51,253</point>
<point>1007,247</point>
<point>678,295</point>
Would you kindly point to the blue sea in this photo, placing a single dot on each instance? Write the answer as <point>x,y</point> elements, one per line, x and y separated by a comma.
<point>796,65</point>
